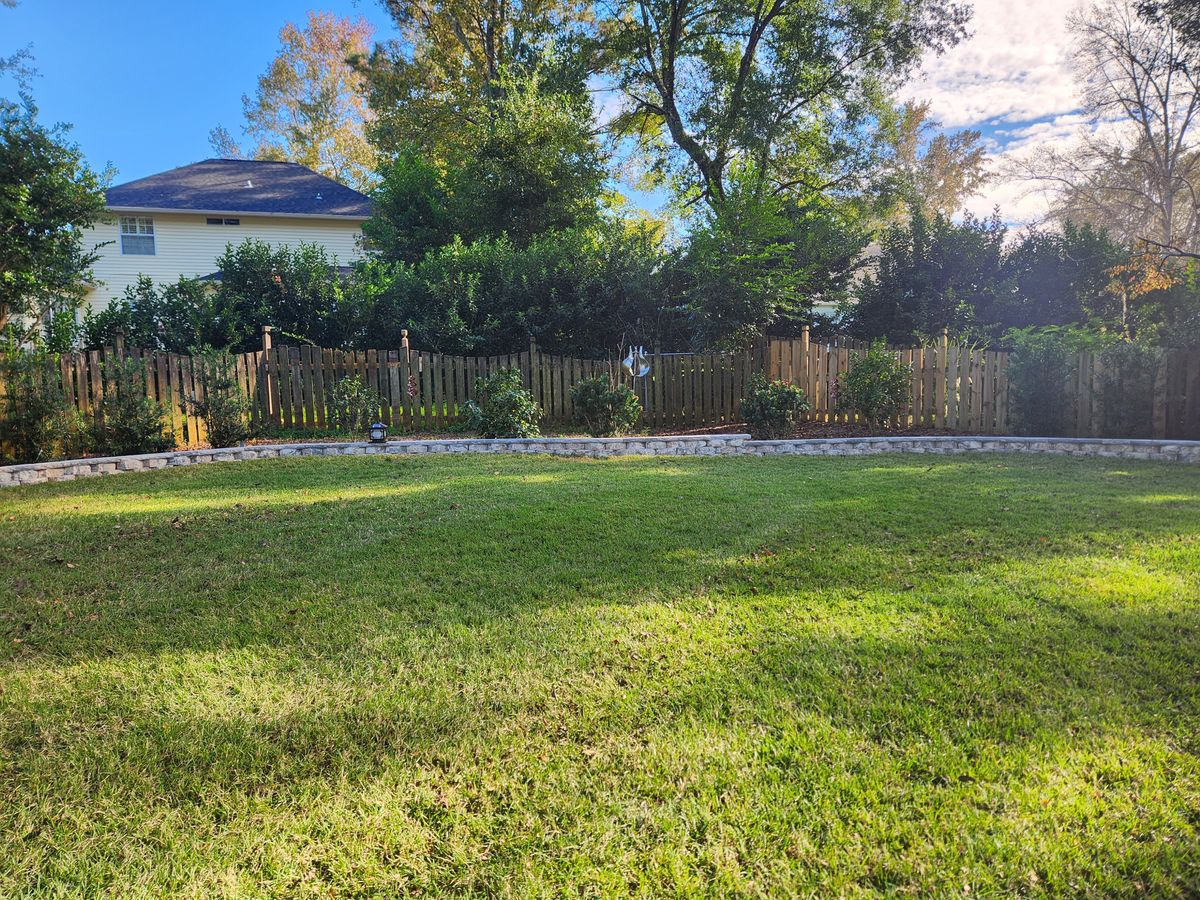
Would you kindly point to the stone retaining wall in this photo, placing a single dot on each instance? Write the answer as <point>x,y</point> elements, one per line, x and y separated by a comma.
<point>686,445</point>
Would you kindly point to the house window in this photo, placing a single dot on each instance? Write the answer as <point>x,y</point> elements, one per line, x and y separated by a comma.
<point>215,221</point>
<point>137,235</point>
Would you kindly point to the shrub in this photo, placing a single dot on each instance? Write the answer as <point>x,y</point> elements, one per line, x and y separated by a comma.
<point>1039,369</point>
<point>1126,390</point>
<point>224,408</point>
<point>129,421</point>
<point>352,405</point>
<point>37,422</point>
<point>876,385</point>
<point>772,408</point>
<point>605,409</point>
<point>502,408</point>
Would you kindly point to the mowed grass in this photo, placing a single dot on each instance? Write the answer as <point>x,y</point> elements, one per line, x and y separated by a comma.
<point>378,677</point>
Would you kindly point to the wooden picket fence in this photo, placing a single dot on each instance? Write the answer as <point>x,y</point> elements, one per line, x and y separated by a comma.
<point>953,387</point>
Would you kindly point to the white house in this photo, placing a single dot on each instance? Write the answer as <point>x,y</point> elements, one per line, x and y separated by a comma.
<point>177,223</point>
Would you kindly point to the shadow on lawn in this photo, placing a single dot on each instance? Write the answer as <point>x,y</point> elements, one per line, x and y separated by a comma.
<point>979,682</point>
<point>246,561</point>
<point>901,628</point>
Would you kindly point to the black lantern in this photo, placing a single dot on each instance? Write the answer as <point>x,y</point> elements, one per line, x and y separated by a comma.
<point>378,432</point>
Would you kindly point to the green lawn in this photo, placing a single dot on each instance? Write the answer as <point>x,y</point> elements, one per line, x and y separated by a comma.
<point>362,677</point>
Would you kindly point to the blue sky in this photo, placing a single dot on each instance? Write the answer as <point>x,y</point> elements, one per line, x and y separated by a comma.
<point>143,87</point>
<point>143,83</point>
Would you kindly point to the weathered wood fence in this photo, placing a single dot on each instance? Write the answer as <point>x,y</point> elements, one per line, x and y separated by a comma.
<point>953,387</point>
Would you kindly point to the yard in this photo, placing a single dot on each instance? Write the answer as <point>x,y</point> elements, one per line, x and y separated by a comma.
<point>522,676</point>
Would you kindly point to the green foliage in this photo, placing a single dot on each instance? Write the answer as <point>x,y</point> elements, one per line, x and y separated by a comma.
<point>172,317</point>
<point>60,329</point>
<point>771,409</point>
<point>48,196</point>
<point>37,422</point>
<point>220,403</point>
<point>797,87</point>
<point>605,409</point>
<point>576,291</point>
<point>529,165</point>
<point>129,421</point>
<point>352,406</point>
<point>1039,369</point>
<point>931,274</point>
<point>759,261</point>
<point>935,273</point>
<point>411,214</point>
<point>875,386</point>
<point>1055,278</point>
<point>297,290</point>
<point>1126,389</point>
<point>502,407</point>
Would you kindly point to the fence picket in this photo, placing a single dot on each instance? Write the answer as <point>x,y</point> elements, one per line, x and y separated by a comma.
<point>953,386</point>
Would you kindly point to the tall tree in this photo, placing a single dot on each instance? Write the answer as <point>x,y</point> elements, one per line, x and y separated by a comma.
<point>1137,173</point>
<point>931,273</point>
<point>529,164</point>
<point>310,106</point>
<point>48,196</point>
<point>791,87</point>
<point>1184,16</point>
<point>448,65</point>
<point>939,172</point>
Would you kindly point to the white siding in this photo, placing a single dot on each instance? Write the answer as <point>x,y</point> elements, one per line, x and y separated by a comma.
<point>185,245</point>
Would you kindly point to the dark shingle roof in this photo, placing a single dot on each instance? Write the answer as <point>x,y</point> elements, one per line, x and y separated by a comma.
<point>242,186</point>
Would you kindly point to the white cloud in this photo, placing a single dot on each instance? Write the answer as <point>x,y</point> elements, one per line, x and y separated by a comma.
<point>1015,67</point>
<point>1013,80</point>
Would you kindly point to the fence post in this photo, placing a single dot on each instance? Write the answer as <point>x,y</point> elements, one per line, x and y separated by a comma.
<point>404,344</point>
<point>268,394</point>
<point>119,342</point>
<point>801,377</point>
<point>940,377</point>
<point>1159,409</point>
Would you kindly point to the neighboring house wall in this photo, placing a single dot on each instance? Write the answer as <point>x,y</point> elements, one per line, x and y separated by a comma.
<point>184,244</point>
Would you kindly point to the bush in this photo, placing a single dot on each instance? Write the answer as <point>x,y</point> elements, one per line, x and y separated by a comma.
<point>224,408</point>
<point>352,405</point>
<point>129,421</point>
<point>605,409</point>
<point>876,385</point>
<point>1127,390</point>
<point>772,408</point>
<point>502,408</point>
<point>37,422</point>
<point>1039,371</point>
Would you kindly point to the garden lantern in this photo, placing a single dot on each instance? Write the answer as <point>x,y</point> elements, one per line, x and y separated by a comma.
<point>378,432</point>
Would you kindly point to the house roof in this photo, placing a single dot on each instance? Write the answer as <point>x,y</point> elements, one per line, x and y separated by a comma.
<point>248,186</point>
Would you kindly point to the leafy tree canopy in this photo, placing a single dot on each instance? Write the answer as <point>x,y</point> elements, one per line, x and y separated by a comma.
<point>530,165</point>
<point>48,195</point>
<point>310,106</point>
<point>788,89</point>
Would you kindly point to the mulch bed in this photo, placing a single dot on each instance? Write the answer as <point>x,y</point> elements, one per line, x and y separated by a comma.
<point>805,430</point>
<point>809,430</point>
